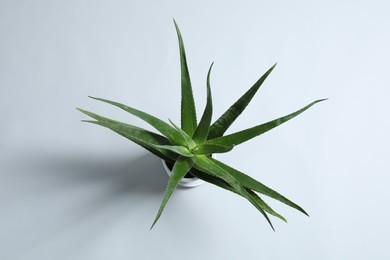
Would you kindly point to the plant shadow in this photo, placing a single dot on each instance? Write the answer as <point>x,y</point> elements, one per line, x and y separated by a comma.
<point>132,174</point>
<point>80,196</point>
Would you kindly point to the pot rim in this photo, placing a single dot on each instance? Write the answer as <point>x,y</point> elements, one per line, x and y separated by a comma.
<point>184,182</point>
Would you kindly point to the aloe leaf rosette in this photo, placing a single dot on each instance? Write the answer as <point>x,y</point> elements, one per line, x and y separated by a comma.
<point>189,146</point>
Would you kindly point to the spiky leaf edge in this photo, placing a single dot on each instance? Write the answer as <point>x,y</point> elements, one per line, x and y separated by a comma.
<point>219,127</point>
<point>188,111</point>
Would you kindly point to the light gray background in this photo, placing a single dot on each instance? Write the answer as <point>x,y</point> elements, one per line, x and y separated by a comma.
<point>70,190</point>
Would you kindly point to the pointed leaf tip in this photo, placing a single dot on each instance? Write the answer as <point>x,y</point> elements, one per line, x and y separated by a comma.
<point>219,127</point>
<point>180,169</point>
<point>247,134</point>
<point>257,186</point>
<point>203,128</point>
<point>207,165</point>
<point>188,111</point>
<point>158,124</point>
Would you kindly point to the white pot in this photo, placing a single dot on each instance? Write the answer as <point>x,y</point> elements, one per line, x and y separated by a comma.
<point>184,182</point>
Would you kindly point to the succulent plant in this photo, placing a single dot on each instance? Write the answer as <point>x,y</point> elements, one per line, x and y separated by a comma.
<point>190,146</point>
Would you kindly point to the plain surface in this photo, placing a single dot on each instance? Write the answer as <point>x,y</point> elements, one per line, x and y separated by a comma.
<point>69,190</point>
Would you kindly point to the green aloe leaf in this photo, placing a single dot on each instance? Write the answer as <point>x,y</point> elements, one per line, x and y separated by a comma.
<point>202,130</point>
<point>247,134</point>
<point>158,124</point>
<point>222,184</point>
<point>188,112</point>
<point>180,150</point>
<point>140,136</point>
<point>212,148</point>
<point>180,169</point>
<point>206,165</point>
<point>185,136</point>
<point>222,124</point>
<point>213,180</point>
<point>264,205</point>
<point>250,183</point>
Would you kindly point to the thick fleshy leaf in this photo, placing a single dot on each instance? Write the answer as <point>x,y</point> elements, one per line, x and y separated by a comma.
<point>264,205</point>
<point>247,134</point>
<point>188,112</point>
<point>180,150</point>
<point>191,144</point>
<point>222,184</point>
<point>158,124</point>
<point>203,163</point>
<point>212,148</point>
<point>140,136</point>
<point>250,183</point>
<point>202,130</point>
<point>180,169</point>
<point>222,124</point>
<point>212,179</point>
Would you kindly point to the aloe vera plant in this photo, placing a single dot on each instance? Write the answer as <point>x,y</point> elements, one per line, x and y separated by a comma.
<point>190,146</point>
